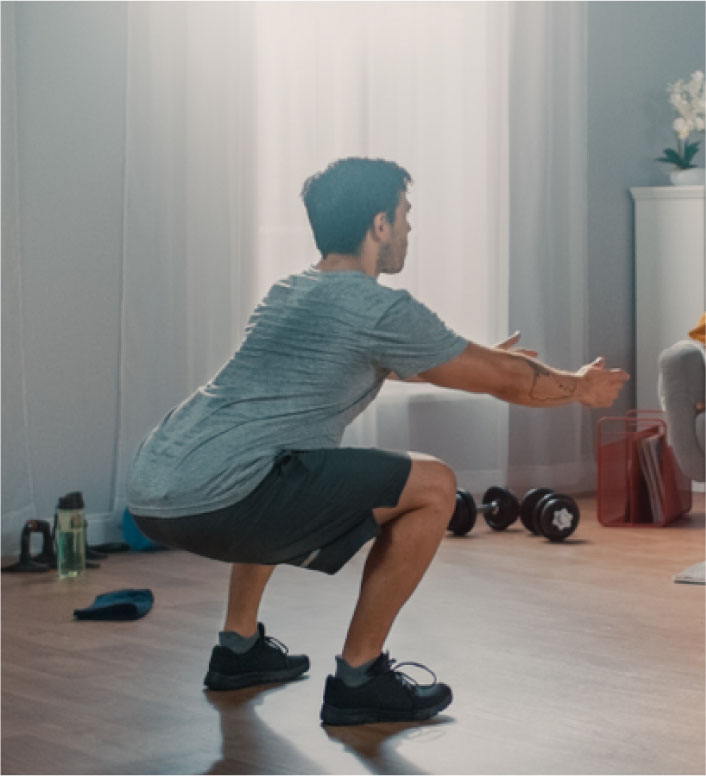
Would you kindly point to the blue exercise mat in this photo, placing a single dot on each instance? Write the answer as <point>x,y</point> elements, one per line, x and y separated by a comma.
<point>126,604</point>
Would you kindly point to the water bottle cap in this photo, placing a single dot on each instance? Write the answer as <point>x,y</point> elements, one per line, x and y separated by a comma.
<point>71,501</point>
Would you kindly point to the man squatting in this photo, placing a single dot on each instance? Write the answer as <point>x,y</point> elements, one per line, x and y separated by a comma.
<point>249,469</point>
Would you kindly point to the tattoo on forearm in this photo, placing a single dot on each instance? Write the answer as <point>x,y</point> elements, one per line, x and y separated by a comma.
<point>547,386</point>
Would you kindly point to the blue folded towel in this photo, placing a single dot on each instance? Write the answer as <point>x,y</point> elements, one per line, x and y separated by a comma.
<point>118,605</point>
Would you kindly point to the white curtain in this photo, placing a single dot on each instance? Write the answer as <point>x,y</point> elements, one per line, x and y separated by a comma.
<point>17,480</point>
<point>548,233</point>
<point>230,106</point>
<point>189,261</point>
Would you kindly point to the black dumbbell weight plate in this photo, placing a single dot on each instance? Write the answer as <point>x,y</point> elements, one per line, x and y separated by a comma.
<point>507,510</point>
<point>529,502</point>
<point>464,516</point>
<point>557,517</point>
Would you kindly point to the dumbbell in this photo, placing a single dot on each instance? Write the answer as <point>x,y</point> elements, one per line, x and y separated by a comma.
<point>549,514</point>
<point>41,562</point>
<point>500,509</point>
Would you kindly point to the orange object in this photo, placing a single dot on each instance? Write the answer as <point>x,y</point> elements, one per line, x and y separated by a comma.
<point>699,333</point>
<point>639,480</point>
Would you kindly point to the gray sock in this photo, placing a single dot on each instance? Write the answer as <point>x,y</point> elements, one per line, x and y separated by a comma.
<point>239,644</point>
<point>352,677</point>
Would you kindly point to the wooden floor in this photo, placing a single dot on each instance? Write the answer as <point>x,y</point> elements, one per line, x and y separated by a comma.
<point>576,658</point>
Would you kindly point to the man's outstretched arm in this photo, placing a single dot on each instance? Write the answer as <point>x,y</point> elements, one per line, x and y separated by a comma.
<point>518,378</point>
<point>508,344</point>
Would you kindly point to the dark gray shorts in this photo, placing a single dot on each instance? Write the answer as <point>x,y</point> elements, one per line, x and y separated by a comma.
<point>314,509</point>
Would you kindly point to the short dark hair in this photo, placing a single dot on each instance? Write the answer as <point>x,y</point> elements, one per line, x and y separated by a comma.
<point>343,200</point>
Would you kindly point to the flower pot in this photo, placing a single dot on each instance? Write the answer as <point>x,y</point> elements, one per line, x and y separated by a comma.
<point>691,177</point>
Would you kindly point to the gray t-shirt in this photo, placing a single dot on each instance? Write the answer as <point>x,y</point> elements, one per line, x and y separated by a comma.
<point>316,352</point>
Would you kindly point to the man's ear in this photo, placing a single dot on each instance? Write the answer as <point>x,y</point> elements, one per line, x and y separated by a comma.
<point>380,226</point>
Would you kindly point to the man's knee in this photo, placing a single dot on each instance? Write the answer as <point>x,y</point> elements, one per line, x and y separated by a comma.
<point>440,485</point>
<point>431,485</point>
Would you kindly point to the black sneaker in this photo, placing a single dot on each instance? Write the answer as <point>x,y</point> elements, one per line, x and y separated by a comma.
<point>388,696</point>
<point>266,661</point>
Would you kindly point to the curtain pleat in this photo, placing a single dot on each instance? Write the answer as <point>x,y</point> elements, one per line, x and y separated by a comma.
<point>548,233</point>
<point>17,476</point>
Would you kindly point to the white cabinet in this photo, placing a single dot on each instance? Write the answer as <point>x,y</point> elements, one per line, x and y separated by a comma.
<point>669,276</point>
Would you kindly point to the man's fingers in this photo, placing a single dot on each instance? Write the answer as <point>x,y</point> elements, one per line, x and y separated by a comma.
<point>618,374</point>
<point>509,342</point>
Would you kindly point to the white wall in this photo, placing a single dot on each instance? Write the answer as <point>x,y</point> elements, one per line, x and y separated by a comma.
<point>635,50</point>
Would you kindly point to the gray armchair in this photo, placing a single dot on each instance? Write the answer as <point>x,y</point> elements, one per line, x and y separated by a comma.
<point>681,390</point>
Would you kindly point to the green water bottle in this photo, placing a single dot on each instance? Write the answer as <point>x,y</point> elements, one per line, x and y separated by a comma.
<point>70,536</point>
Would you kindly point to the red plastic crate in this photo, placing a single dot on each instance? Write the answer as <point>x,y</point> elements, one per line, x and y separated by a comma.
<point>627,495</point>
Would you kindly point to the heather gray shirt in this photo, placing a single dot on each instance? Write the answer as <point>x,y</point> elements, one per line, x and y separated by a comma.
<point>316,352</point>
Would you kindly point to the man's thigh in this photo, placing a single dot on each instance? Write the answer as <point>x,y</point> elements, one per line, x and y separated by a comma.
<point>315,509</point>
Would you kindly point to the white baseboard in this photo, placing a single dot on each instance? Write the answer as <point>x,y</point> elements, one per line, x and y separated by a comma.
<point>477,482</point>
<point>571,478</point>
<point>104,528</point>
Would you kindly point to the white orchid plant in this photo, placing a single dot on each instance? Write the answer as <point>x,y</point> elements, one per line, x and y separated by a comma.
<point>688,101</point>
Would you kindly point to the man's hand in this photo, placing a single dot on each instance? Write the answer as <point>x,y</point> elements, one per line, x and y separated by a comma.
<point>509,345</point>
<point>600,386</point>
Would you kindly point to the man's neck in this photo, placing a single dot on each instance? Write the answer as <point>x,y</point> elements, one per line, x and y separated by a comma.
<point>347,262</point>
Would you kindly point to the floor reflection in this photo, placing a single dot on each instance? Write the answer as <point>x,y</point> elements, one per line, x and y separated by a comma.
<point>249,744</point>
<point>374,745</point>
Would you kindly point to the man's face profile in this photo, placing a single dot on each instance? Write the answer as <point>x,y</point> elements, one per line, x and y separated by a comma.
<point>393,252</point>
